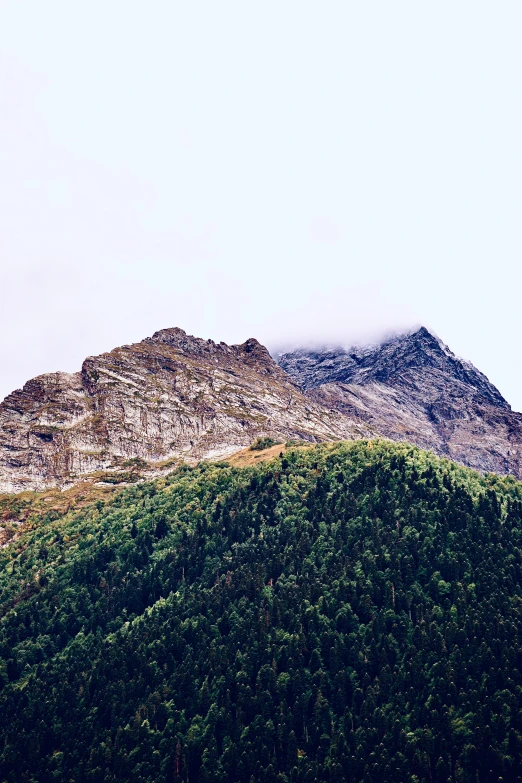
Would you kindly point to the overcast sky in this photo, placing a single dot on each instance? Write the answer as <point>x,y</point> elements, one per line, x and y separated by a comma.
<point>292,171</point>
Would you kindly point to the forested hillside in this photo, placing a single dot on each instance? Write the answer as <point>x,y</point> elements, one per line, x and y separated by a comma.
<point>348,612</point>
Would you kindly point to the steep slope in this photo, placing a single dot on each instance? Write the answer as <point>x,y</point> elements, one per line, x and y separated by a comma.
<point>140,408</point>
<point>347,613</point>
<point>166,397</point>
<point>414,388</point>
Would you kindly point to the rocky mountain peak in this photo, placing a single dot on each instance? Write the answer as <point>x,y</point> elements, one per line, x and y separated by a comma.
<point>254,353</point>
<point>181,341</point>
<point>423,352</point>
<point>177,338</point>
<point>416,358</point>
<point>168,397</point>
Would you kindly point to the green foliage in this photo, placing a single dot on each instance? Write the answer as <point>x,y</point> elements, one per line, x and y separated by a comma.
<point>262,443</point>
<point>295,442</point>
<point>123,477</point>
<point>347,613</point>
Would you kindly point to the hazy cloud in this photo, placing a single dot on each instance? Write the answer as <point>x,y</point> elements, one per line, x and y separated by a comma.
<point>295,172</point>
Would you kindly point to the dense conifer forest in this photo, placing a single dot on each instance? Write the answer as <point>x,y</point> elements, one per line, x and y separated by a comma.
<point>341,613</point>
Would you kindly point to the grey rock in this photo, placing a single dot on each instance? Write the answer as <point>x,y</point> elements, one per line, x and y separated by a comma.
<point>413,388</point>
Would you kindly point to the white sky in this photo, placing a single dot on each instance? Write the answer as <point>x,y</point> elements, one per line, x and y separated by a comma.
<point>285,170</point>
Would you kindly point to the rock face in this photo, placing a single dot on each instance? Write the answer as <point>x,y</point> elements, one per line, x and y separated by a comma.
<point>413,388</point>
<point>168,396</point>
<point>173,396</point>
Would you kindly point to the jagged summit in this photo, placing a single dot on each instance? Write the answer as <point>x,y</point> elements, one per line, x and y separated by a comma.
<point>398,359</point>
<point>170,396</point>
<point>177,338</point>
<point>412,387</point>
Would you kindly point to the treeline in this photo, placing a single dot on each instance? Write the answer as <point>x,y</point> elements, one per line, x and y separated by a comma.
<point>346,613</point>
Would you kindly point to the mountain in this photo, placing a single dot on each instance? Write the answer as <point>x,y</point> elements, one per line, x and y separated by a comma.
<point>139,409</point>
<point>350,612</point>
<point>413,388</point>
<point>404,360</point>
<point>168,397</point>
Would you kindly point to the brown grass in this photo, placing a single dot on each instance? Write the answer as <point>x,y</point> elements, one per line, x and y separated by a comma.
<point>248,457</point>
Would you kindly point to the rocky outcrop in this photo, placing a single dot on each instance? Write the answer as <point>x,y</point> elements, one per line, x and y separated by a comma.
<point>169,396</point>
<point>413,388</point>
<point>173,396</point>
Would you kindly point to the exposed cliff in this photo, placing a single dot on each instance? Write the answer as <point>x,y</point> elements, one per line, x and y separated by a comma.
<point>169,396</point>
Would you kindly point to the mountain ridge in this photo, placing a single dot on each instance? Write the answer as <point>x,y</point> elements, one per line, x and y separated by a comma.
<point>173,397</point>
<point>169,397</point>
